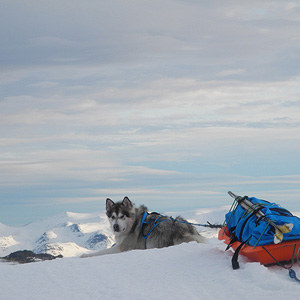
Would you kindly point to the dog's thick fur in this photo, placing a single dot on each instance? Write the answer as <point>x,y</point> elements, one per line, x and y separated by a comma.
<point>125,220</point>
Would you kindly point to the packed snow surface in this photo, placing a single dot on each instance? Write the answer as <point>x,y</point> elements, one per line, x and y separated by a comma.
<point>187,271</point>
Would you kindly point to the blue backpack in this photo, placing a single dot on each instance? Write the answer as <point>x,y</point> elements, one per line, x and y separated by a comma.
<point>263,223</point>
<point>255,222</point>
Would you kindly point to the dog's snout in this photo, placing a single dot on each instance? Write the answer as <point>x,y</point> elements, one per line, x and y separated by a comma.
<point>116,227</point>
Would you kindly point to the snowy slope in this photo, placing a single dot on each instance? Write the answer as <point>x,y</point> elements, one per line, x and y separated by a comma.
<point>187,271</point>
<point>68,234</point>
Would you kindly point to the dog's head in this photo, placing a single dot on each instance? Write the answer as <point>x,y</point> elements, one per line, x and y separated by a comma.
<point>120,215</point>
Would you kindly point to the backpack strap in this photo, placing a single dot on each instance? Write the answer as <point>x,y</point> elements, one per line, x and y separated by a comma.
<point>253,213</point>
<point>233,240</point>
<point>234,260</point>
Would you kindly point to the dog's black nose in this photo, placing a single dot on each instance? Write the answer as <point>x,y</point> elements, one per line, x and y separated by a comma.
<point>116,227</point>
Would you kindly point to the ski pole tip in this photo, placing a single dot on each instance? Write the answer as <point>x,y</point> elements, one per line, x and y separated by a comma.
<point>231,194</point>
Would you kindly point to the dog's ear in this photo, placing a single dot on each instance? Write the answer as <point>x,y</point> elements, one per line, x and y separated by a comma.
<point>127,203</point>
<point>109,204</point>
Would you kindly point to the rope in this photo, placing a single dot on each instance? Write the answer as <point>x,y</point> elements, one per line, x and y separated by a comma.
<point>292,273</point>
<point>197,224</point>
<point>268,223</point>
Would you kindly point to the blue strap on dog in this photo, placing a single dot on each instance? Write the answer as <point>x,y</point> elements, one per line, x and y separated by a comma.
<point>143,220</point>
<point>154,224</point>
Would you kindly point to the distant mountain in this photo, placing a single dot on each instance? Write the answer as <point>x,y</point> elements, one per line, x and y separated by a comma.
<point>68,234</point>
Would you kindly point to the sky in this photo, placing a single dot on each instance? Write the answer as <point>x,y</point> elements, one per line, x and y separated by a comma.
<point>169,102</point>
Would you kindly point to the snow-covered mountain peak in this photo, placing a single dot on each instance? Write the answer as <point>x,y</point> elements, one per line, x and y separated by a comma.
<point>68,234</point>
<point>78,216</point>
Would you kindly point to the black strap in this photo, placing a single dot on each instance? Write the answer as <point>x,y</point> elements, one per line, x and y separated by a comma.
<point>233,240</point>
<point>241,199</point>
<point>247,219</point>
<point>234,260</point>
<point>281,211</point>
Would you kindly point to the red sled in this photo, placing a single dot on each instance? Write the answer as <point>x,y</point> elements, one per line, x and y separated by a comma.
<point>266,255</point>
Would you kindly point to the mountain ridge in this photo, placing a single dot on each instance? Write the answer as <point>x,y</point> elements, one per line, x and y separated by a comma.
<point>68,234</point>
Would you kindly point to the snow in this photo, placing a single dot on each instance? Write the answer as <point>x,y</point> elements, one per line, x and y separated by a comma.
<point>68,234</point>
<point>187,271</point>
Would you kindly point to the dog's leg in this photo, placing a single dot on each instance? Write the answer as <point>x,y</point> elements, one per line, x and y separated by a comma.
<point>112,250</point>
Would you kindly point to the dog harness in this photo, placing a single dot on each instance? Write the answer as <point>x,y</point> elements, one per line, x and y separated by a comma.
<point>158,220</point>
<point>154,223</point>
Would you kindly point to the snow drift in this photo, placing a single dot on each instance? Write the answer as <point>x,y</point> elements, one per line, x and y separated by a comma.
<point>187,271</point>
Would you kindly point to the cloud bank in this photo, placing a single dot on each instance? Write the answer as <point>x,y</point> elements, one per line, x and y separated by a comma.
<point>170,102</point>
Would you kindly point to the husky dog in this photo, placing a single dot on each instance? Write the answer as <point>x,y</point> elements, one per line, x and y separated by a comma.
<point>136,228</point>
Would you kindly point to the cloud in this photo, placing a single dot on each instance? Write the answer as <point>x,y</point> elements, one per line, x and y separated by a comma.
<point>230,72</point>
<point>185,35</point>
<point>155,99</point>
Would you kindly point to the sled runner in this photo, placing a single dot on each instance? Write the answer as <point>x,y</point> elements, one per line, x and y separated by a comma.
<point>262,231</point>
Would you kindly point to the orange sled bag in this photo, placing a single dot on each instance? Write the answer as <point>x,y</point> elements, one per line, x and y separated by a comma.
<point>261,231</point>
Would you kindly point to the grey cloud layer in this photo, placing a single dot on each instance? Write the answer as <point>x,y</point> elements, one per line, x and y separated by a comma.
<point>261,37</point>
<point>153,98</point>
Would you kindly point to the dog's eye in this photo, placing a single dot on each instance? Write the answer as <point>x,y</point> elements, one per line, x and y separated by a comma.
<point>113,217</point>
<point>122,217</point>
